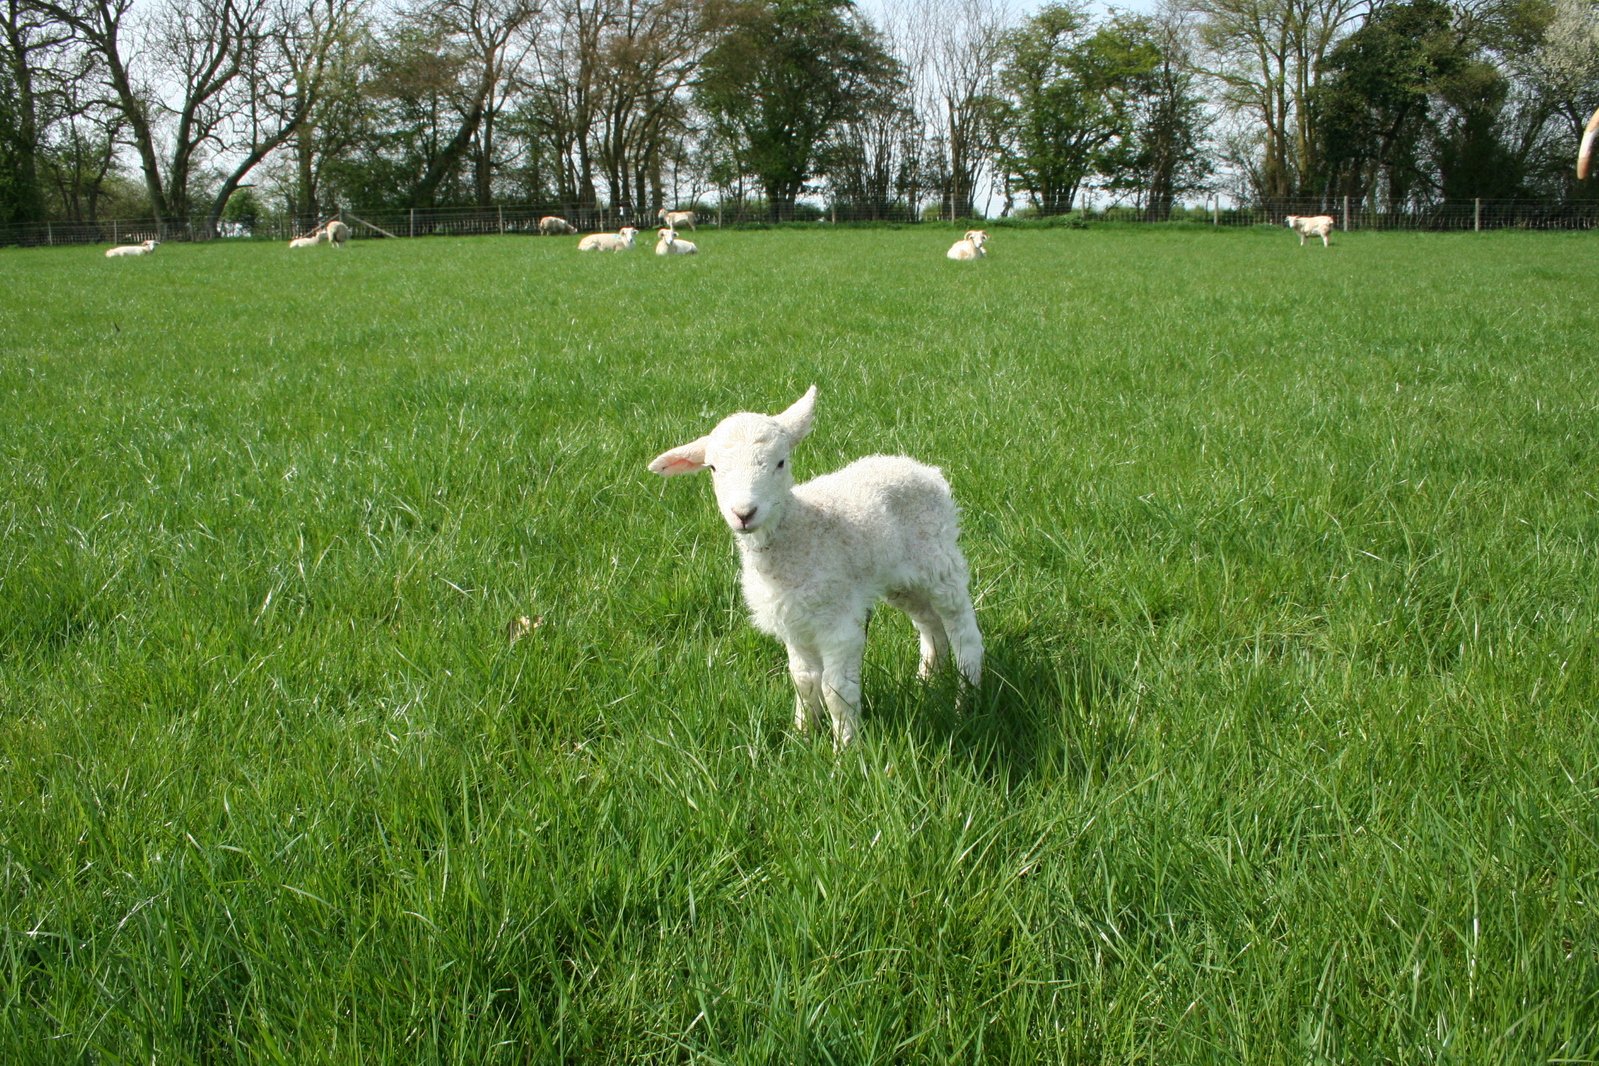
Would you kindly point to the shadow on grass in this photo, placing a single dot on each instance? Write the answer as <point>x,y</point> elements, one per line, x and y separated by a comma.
<point>1044,713</point>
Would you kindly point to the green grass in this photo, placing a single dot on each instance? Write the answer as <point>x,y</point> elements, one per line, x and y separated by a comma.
<point>1286,561</point>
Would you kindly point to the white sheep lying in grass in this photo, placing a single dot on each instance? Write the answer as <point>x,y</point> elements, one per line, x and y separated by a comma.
<point>619,241</point>
<point>670,245</point>
<point>310,240</point>
<point>817,557</point>
<point>969,247</point>
<point>1311,226</point>
<point>554,226</point>
<point>131,249</point>
<point>676,219</point>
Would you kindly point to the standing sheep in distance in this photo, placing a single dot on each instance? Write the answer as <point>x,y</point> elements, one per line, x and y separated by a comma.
<point>555,226</point>
<point>969,247</point>
<point>1311,226</point>
<point>131,249</point>
<point>619,241</point>
<point>336,233</point>
<point>676,219</point>
<point>817,557</point>
<point>670,245</point>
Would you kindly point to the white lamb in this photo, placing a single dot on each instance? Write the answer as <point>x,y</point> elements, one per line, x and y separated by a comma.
<point>670,245</point>
<point>131,249</point>
<point>336,233</point>
<point>817,557</point>
<point>1311,226</point>
<point>554,226</point>
<point>676,219</point>
<point>310,240</point>
<point>969,247</point>
<point>619,241</point>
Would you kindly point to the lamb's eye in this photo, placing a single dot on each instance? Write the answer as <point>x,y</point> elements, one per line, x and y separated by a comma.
<point>781,463</point>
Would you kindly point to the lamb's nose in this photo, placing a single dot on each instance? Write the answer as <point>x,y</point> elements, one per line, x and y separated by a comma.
<point>745,516</point>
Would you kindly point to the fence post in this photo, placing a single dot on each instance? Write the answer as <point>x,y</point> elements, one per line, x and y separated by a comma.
<point>501,209</point>
<point>1215,211</point>
<point>413,222</point>
<point>1346,212</point>
<point>1476,214</point>
<point>49,235</point>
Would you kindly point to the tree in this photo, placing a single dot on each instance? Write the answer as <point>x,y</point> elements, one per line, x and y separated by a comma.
<point>872,159</point>
<point>29,42</point>
<point>1163,157</point>
<point>781,78</point>
<point>1268,55</point>
<point>952,51</point>
<point>284,64</point>
<point>648,52</point>
<point>197,50</point>
<point>1069,106</point>
<point>1376,102</point>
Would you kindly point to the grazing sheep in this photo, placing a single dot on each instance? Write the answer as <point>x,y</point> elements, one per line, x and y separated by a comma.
<point>670,245</point>
<point>1311,226</point>
<point>1585,150</point>
<point>676,219</point>
<point>555,226</point>
<point>969,247</point>
<point>336,233</point>
<point>131,249</point>
<point>619,241</point>
<point>817,557</point>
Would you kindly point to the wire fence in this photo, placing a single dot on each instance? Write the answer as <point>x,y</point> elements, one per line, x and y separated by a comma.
<point>1476,215</point>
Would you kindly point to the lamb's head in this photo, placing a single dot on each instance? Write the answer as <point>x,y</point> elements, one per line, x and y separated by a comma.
<point>747,455</point>
<point>667,234</point>
<point>1290,220</point>
<point>977,237</point>
<point>627,234</point>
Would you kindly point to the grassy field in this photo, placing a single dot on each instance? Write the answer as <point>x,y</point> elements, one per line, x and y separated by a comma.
<point>1286,561</point>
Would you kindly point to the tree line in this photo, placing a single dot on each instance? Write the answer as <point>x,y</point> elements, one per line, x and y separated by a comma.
<point>217,110</point>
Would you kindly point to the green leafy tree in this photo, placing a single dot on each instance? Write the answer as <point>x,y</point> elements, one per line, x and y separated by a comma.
<point>1378,102</point>
<point>781,79</point>
<point>1069,93</point>
<point>1163,157</point>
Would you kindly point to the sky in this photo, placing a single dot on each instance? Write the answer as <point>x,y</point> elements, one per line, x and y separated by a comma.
<point>1019,8</point>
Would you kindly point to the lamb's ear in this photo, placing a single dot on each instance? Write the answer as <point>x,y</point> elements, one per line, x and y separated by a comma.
<point>684,459</point>
<point>796,421</point>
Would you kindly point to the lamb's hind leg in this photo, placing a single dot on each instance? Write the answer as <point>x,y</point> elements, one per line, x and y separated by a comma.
<point>929,628</point>
<point>954,607</point>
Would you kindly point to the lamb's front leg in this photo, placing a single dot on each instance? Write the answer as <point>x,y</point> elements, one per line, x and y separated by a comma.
<point>841,682</point>
<point>805,667</point>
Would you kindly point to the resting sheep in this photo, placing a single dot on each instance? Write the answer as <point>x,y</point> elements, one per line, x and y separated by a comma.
<point>619,241</point>
<point>310,240</point>
<point>131,249</point>
<point>969,247</point>
<point>670,245</point>
<point>555,226</point>
<point>676,219</point>
<point>1311,226</point>
<point>817,557</point>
